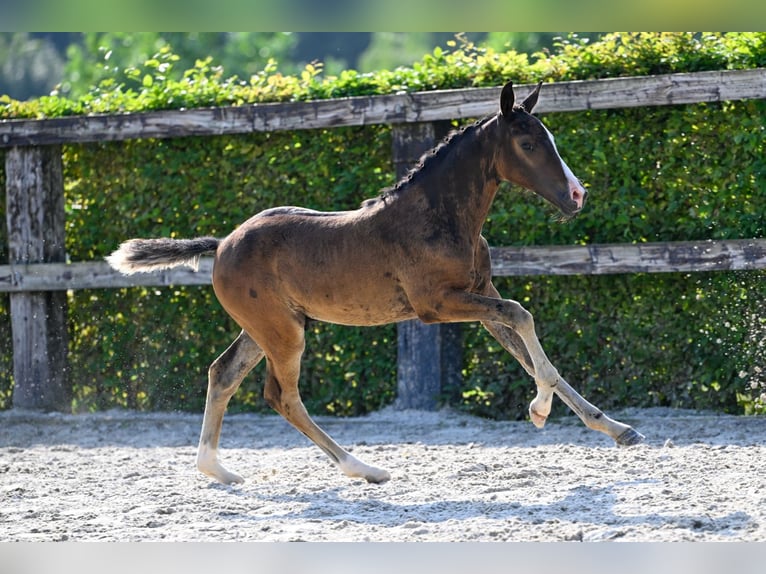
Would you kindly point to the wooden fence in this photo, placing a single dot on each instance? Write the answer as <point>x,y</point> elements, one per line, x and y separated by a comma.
<point>37,276</point>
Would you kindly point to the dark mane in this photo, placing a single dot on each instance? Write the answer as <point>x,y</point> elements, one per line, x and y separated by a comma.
<point>429,159</point>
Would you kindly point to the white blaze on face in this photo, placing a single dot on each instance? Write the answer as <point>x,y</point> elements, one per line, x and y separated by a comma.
<point>577,192</point>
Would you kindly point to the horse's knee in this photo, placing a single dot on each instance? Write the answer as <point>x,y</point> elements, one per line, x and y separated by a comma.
<point>520,319</point>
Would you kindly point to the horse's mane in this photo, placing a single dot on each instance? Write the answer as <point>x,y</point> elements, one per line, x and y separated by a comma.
<point>429,159</point>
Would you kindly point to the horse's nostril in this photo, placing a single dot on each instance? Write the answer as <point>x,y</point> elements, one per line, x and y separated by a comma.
<point>577,193</point>
<point>578,196</point>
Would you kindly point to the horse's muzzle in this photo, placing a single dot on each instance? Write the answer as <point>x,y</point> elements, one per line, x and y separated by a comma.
<point>577,194</point>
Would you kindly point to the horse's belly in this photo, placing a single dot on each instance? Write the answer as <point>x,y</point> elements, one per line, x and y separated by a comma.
<point>360,312</point>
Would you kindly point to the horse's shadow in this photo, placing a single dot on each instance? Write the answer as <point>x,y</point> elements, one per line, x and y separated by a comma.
<point>583,504</point>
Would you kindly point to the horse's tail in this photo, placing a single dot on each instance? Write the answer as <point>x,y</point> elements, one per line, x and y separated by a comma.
<point>136,255</point>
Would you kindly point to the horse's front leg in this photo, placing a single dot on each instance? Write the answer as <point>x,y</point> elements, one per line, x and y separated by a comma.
<point>595,419</point>
<point>513,326</point>
<point>540,407</point>
<point>589,414</point>
<point>514,343</point>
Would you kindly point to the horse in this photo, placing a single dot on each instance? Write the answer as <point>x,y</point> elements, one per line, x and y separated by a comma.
<point>414,251</point>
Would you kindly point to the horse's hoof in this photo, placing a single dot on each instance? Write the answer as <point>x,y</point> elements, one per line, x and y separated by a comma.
<point>537,419</point>
<point>378,477</point>
<point>630,437</point>
<point>222,475</point>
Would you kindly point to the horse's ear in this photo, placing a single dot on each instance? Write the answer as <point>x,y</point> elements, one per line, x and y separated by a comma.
<point>531,100</point>
<point>507,98</point>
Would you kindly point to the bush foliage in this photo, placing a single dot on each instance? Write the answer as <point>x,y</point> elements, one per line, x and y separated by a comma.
<point>655,174</point>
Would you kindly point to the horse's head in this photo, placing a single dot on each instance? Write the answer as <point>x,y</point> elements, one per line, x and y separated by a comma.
<point>528,155</point>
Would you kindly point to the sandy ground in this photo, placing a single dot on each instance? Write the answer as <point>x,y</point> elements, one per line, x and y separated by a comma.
<point>124,476</point>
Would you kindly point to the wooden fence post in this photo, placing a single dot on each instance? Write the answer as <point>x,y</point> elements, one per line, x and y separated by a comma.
<point>35,218</point>
<point>429,358</point>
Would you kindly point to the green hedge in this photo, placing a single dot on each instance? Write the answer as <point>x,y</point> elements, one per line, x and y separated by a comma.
<point>655,174</point>
<point>150,348</point>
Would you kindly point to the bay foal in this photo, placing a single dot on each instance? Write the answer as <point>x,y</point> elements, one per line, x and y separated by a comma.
<point>415,251</point>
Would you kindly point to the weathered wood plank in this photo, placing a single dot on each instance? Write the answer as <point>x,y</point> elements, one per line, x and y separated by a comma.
<point>35,219</point>
<point>95,275</point>
<point>661,90</point>
<point>399,108</point>
<point>682,256</point>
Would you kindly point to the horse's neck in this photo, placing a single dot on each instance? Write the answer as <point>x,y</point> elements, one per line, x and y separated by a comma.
<point>462,182</point>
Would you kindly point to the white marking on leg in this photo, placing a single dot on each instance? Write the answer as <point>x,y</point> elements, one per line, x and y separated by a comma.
<point>546,375</point>
<point>352,466</point>
<point>208,464</point>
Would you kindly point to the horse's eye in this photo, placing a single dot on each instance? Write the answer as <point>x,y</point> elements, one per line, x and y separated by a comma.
<point>526,146</point>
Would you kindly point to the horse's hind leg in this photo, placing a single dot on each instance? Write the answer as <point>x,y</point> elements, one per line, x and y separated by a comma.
<point>224,377</point>
<point>281,393</point>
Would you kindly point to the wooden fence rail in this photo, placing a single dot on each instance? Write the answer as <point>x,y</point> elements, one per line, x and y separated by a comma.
<point>412,108</point>
<point>604,259</point>
<point>37,274</point>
